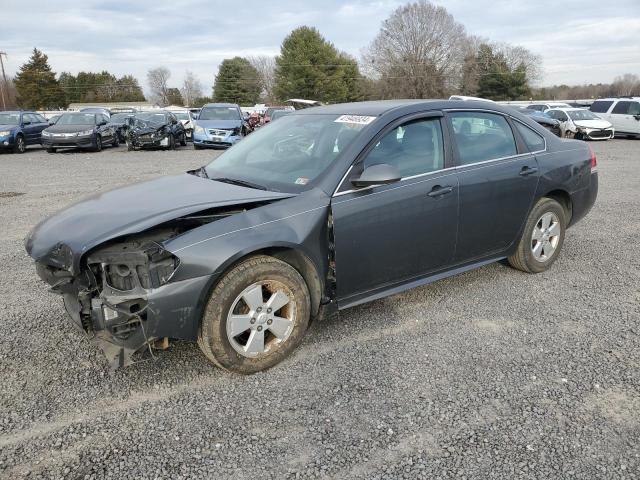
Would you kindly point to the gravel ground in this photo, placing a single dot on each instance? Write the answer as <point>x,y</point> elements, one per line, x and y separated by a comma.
<point>490,374</point>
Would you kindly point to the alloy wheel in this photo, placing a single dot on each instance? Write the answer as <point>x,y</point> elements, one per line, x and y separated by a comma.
<point>545,237</point>
<point>20,145</point>
<point>261,318</point>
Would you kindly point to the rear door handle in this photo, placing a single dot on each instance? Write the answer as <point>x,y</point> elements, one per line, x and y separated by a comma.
<point>438,190</point>
<point>528,171</point>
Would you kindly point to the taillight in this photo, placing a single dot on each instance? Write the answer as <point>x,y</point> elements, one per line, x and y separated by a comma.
<point>594,161</point>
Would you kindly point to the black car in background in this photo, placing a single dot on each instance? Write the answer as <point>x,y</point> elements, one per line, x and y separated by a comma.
<point>157,129</point>
<point>327,208</point>
<point>18,129</point>
<point>80,130</point>
<point>120,122</point>
<point>543,119</point>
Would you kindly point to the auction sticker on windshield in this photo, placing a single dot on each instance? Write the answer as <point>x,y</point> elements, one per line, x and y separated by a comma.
<point>357,119</point>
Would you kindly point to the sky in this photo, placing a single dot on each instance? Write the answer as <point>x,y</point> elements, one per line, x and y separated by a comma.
<point>584,41</point>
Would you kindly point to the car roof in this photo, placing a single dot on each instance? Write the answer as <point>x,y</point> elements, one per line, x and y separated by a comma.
<point>380,107</point>
<point>569,109</point>
<point>613,99</point>
<point>220,105</point>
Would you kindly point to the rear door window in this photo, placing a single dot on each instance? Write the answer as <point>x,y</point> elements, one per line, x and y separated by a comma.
<point>601,106</point>
<point>482,136</point>
<point>622,108</point>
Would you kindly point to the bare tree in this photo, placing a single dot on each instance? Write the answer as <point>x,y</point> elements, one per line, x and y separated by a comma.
<point>515,55</point>
<point>626,85</point>
<point>266,67</point>
<point>418,52</point>
<point>191,88</point>
<point>158,79</point>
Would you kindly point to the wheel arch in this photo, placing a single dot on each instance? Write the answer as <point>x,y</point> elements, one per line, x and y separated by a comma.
<point>287,253</point>
<point>564,199</point>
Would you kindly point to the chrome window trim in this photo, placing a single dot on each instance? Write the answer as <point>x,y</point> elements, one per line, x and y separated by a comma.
<point>412,177</point>
<point>396,185</point>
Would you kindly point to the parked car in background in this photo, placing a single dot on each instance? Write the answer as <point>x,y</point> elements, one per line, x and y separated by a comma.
<point>325,209</point>
<point>219,125</point>
<point>543,119</point>
<point>103,110</point>
<point>80,130</point>
<point>543,107</point>
<point>279,114</point>
<point>623,113</point>
<point>19,129</point>
<point>185,117</point>
<point>120,121</point>
<point>156,129</point>
<point>581,124</point>
<point>266,118</point>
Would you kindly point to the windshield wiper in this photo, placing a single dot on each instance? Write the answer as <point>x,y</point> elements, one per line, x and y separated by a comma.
<point>242,183</point>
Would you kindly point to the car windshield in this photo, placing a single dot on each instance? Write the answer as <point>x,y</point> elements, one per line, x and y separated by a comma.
<point>219,113</point>
<point>9,118</point>
<point>120,117</point>
<point>582,115</point>
<point>151,118</point>
<point>289,154</point>
<point>182,115</point>
<point>77,119</point>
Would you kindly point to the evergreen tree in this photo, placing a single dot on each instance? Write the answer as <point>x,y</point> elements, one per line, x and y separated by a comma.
<point>237,82</point>
<point>311,67</point>
<point>174,97</point>
<point>37,86</point>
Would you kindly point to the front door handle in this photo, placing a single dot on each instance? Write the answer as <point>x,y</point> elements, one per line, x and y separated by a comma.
<point>528,171</point>
<point>438,190</point>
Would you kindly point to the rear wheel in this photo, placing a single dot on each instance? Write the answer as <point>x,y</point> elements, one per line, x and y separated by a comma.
<point>542,238</point>
<point>256,316</point>
<point>20,145</point>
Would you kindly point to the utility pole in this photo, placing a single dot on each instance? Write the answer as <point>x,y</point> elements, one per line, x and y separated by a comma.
<point>4,84</point>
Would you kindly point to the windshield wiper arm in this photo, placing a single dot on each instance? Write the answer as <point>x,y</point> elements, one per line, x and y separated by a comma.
<point>242,183</point>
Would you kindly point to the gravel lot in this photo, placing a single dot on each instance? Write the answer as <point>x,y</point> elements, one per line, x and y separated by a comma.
<point>490,374</point>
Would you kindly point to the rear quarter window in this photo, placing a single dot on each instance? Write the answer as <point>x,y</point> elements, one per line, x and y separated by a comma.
<point>600,106</point>
<point>534,140</point>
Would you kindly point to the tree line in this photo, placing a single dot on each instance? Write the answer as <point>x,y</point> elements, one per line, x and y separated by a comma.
<point>421,51</point>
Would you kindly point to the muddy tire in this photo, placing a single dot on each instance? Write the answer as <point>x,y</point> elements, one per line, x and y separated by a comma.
<point>256,316</point>
<point>542,237</point>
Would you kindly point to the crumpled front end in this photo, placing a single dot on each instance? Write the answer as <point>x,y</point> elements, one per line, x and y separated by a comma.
<point>123,297</point>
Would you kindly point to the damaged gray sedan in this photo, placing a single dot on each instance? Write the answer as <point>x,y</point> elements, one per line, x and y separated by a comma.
<point>322,210</point>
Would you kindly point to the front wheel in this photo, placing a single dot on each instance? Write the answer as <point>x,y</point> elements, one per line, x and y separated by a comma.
<point>116,141</point>
<point>256,316</point>
<point>183,139</point>
<point>98,145</point>
<point>542,238</point>
<point>20,145</point>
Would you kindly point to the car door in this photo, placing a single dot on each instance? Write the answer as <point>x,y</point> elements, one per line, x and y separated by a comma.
<point>39,125</point>
<point>498,179</point>
<point>105,130</point>
<point>30,129</point>
<point>389,234</point>
<point>625,116</point>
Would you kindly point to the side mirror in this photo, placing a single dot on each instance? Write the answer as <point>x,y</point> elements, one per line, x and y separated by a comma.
<point>381,174</point>
<point>637,117</point>
<point>26,122</point>
<point>101,123</point>
<point>51,123</point>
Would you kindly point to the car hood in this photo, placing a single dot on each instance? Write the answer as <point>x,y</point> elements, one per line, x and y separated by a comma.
<point>225,124</point>
<point>132,209</point>
<point>69,128</point>
<point>592,123</point>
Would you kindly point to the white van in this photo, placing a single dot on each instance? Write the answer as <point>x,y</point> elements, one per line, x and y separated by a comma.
<point>623,113</point>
